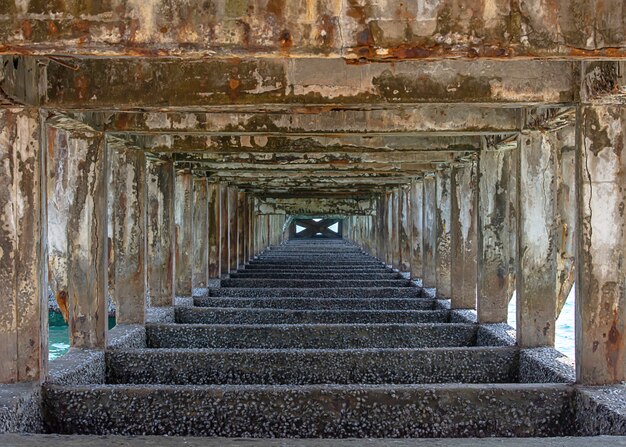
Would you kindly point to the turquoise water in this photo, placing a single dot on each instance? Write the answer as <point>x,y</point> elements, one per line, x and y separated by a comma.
<point>565,335</point>
<point>59,336</point>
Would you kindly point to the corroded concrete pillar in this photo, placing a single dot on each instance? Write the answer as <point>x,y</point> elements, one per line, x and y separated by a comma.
<point>430,230</point>
<point>601,270</point>
<point>128,221</point>
<point>463,236</point>
<point>537,239</point>
<point>381,236</point>
<point>405,227</point>
<point>23,282</point>
<point>86,228</point>
<point>161,231</point>
<point>200,232</point>
<point>417,233</point>
<point>494,251</point>
<point>241,228</point>
<point>251,228</point>
<point>443,217</point>
<point>233,215</point>
<point>184,232</point>
<point>390,220</point>
<point>214,230</point>
<point>225,231</point>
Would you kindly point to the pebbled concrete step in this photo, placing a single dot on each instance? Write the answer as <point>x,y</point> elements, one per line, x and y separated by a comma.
<point>308,367</point>
<point>340,411</point>
<point>333,292</point>
<point>200,315</point>
<point>311,336</point>
<point>272,275</point>
<point>320,303</point>
<point>313,283</point>
<point>315,268</point>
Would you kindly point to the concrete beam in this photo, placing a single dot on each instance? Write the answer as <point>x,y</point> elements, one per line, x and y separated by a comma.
<point>23,282</point>
<point>128,219</point>
<point>183,204</point>
<point>537,238</point>
<point>384,30</point>
<point>161,231</point>
<point>314,206</point>
<point>600,279</point>
<point>495,166</point>
<point>464,243</point>
<point>200,232</point>
<point>86,228</point>
<point>105,83</point>
<point>443,217</point>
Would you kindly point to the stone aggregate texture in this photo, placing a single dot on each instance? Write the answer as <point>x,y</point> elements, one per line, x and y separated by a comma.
<point>275,356</point>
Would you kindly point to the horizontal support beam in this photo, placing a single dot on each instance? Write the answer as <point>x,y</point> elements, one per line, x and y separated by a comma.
<point>314,206</point>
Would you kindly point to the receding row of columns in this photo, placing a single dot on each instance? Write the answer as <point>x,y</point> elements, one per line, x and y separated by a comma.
<point>92,217</point>
<point>505,221</point>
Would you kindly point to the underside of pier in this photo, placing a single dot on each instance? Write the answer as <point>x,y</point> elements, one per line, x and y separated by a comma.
<point>309,218</point>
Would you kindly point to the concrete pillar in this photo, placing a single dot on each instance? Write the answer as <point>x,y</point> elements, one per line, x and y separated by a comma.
<point>128,221</point>
<point>241,228</point>
<point>381,234</point>
<point>390,221</point>
<point>225,231</point>
<point>200,232</point>
<point>429,226</point>
<point>87,264</point>
<point>215,232</point>
<point>443,217</point>
<point>251,228</point>
<point>494,251</point>
<point>23,281</point>
<point>601,270</point>
<point>184,232</point>
<point>233,215</point>
<point>537,239</point>
<point>161,231</point>
<point>405,227</point>
<point>417,233</point>
<point>463,236</point>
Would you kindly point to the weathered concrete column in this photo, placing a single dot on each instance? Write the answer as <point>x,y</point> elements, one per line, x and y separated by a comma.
<point>184,232</point>
<point>537,239</point>
<point>405,228</point>
<point>128,220</point>
<point>430,230</point>
<point>233,215</point>
<point>494,251</point>
<point>251,229</point>
<point>225,231</point>
<point>86,229</point>
<point>390,218</point>
<point>417,232</point>
<point>601,231</point>
<point>215,231</point>
<point>23,282</point>
<point>200,232</point>
<point>381,220</point>
<point>463,236</point>
<point>443,217</point>
<point>241,228</point>
<point>161,231</point>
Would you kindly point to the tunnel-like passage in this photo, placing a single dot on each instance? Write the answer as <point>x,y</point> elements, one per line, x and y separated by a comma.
<point>309,219</point>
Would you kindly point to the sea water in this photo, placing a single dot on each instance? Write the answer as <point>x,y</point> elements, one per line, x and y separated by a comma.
<point>59,335</point>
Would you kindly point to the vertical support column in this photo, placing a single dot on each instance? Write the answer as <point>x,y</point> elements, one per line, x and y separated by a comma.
<point>87,174</point>
<point>129,232</point>
<point>381,220</point>
<point>23,279</point>
<point>161,231</point>
<point>537,239</point>
<point>443,217</point>
<point>251,229</point>
<point>601,231</point>
<point>389,222</point>
<point>464,239</point>
<point>241,224</point>
<point>200,232</point>
<point>494,249</point>
<point>417,233</point>
<point>215,232</point>
<point>184,232</point>
<point>233,215</point>
<point>405,227</point>
<point>430,230</point>
<point>225,231</point>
